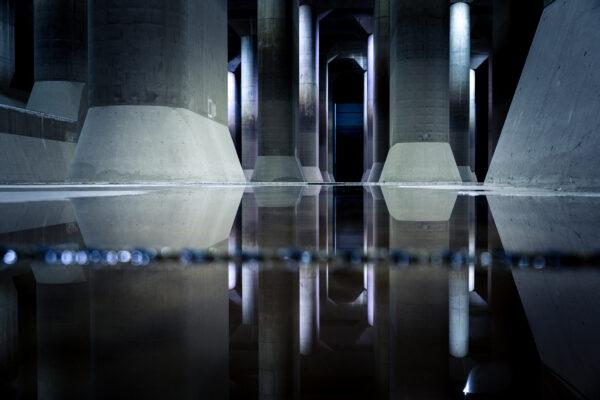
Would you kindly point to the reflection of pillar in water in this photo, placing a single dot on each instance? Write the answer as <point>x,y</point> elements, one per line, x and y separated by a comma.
<point>161,332</point>
<point>459,312</point>
<point>8,326</point>
<point>277,295</point>
<point>309,303</point>
<point>63,328</point>
<point>249,293</point>
<point>382,330</point>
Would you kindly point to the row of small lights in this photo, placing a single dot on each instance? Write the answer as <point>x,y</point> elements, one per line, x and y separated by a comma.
<point>399,258</point>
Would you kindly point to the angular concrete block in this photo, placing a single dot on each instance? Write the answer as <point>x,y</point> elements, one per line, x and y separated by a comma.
<point>277,169</point>
<point>423,205</point>
<point>60,98</point>
<point>425,162</point>
<point>312,174</point>
<point>121,144</point>
<point>375,174</point>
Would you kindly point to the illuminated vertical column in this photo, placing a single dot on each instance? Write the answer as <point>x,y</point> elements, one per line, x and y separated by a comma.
<point>419,84</point>
<point>460,77</point>
<point>370,101</point>
<point>278,92</point>
<point>381,90</point>
<point>309,298</point>
<point>233,108</point>
<point>308,141</point>
<point>249,104</point>
<point>472,122</point>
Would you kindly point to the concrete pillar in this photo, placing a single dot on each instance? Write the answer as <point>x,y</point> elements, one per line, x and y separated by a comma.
<point>322,85</point>
<point>308,140</point>
<point>330,127</point>
<point>278,87</point>
<point>158,94</point>
<point>249,104</point>
<point>381,90</point>
<point>233,108</point>
<point>370,103</point>
<point>472,122</point>
<point>7,38</point>
<point>419,79</point>
<point>60,58</point>
<point>460,77</point>
<point>309,306</point>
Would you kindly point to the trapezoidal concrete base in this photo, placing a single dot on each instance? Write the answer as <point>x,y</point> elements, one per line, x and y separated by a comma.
<point>127,144</point>
<point>277,169</point>
<point>375,173</point>
<point>312,174</point>
<point>421,162</point>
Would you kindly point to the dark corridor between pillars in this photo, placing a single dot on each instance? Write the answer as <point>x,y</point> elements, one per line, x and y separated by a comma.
<point>347,87</point>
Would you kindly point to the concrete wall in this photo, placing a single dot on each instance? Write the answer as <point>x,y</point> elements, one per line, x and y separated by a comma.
<point>550,135</point>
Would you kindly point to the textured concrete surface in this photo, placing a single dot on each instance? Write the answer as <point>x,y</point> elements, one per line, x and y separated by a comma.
<point>26,159</point>
<point>307,138</point>
<point>7,38</point>
<point>249,103</point>
<point>381,113</point>
<point>419,86</point>
<point>26,215</point>
<point>149,143</point>
<point>420,162</point>
<point>60,40</point>
<point>61,98</point>
<point>168,53</point>
<point>278,86</point>
<point>178,218</point>
<point>549,138</point>
<point>460,77</point>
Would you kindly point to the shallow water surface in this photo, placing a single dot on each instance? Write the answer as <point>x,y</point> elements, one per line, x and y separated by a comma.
<point>298,292</point>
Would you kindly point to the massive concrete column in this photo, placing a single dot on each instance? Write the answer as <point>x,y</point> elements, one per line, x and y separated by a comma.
<point>158,94</point>
<point>308,140</point>
<point>60,58</point>
<point>233,108</point>
<point>278,87</point>
<point>7,38</point>
<point>460,77</point>
<point>370,103</point>
<point>458,311</point>
<point>419,118</point>
<point>249,104</point>
<point>381,92</point>
<point>322,86</point>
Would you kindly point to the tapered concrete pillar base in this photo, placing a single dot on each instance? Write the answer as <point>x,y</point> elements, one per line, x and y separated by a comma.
<point>375,172</point>
<point>325,176</point>
<point>312,174</point>
<point>466,174</point>
<point>365,177</point>
<point>424,162</point>
<point>125,144</point>
<point>277,169</point>
<point>60,98</point>
<point>248,174</point>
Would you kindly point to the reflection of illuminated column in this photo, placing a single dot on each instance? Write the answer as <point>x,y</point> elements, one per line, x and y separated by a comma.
<point>459,312</point>
<point>277,337</point>
<point>309,297</point>
<point>249,294</point>
<point>277,295</point>
<point>382,330</point>
<point>419,296</point>
<point>63,322</point>
<point>148,323</point>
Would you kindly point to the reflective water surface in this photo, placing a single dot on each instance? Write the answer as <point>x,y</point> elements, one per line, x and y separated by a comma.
<point>312,327</point>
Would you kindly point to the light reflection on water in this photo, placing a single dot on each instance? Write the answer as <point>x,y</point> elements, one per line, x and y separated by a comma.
<point>283,329</point>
